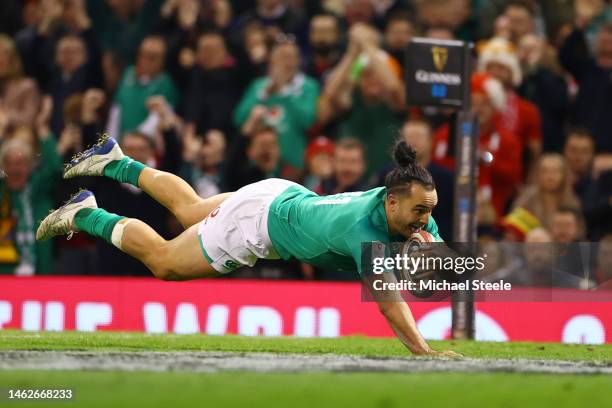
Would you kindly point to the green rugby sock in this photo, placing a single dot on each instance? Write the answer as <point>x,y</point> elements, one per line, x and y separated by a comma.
<point>97,222</point>
<point>126,170</point>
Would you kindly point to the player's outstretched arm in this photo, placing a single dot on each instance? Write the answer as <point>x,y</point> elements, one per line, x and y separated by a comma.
<point>402,322</point>
<point>397,313</point>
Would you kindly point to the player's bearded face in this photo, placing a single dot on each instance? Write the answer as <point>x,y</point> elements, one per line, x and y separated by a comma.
<point>408,213</point>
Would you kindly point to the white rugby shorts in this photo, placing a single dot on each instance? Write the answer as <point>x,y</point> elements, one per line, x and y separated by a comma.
<point>235,234</point>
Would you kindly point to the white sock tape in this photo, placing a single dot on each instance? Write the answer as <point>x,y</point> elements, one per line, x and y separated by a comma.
<point>117,233</point>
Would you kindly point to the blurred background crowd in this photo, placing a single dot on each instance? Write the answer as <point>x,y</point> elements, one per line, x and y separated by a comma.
<point>227,92</point>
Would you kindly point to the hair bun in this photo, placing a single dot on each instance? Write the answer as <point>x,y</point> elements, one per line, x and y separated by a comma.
<point>404,154</point>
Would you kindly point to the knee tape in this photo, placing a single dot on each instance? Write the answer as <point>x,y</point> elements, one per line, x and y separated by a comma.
<point>117,233</point>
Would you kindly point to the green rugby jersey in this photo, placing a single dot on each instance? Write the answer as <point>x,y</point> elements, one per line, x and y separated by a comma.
<point>328,230</point>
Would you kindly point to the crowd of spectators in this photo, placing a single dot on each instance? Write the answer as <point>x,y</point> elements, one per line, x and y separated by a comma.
<point>227,92</point>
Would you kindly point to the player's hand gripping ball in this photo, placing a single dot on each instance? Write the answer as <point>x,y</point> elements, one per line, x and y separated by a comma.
<point>419,245</point>
<point>422,236</point>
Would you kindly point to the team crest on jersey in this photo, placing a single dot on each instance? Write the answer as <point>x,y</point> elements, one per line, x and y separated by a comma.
<point>275,115</point>
<point>231,265</point>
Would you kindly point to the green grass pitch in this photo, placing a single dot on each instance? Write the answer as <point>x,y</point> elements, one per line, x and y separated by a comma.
<point>248,389</point>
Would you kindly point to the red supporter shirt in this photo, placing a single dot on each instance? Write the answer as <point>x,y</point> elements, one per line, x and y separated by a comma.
<point>502,176</point>
<point>522,118</point>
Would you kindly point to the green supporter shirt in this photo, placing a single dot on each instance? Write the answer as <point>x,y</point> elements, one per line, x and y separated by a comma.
<point>39,197</point>
<point>377,126</point>
<point>123,36</point>
<point>291,111</point>
<point>329,230</point>
<point>132,96</point>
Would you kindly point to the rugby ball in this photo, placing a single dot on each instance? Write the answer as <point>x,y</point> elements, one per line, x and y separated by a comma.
<point>422,236</point>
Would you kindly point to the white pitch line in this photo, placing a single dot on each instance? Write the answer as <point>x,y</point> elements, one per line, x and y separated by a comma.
<point>211,362</point>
